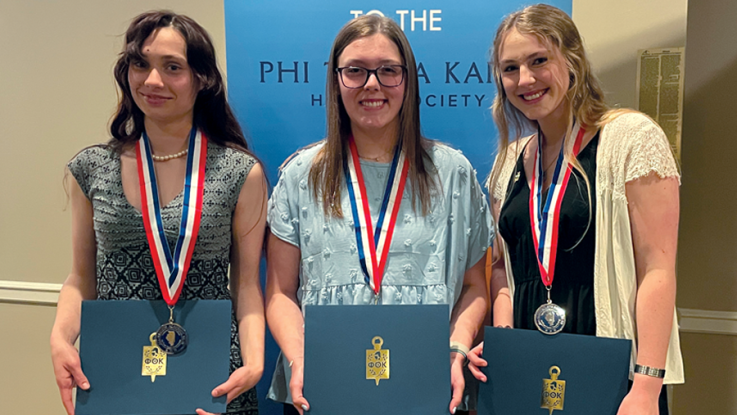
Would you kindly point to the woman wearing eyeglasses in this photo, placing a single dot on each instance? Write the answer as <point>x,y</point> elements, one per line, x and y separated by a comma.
<point>374,152</point>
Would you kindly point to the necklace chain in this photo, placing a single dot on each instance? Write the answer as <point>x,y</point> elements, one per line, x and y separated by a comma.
<point>552,162</point>
<point>377,158</point>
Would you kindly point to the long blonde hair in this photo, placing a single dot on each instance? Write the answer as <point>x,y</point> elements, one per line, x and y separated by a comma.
<point>584,98</point>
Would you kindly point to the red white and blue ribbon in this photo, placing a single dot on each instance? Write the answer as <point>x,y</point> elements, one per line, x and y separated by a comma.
<point>545,221</point>
<point>373,247</point>
<point>171,267</point>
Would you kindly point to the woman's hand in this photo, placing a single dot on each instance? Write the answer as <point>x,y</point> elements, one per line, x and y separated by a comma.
<point>457,381</point>
<point>248,226</point>
<point>476,362</point>
<point>68,371</point>
<point>241,380</point>
<point>642,399</point>
<point>79,286</point>
<point>284,314</point>
<point>466,318</point>
<point>296,387</point>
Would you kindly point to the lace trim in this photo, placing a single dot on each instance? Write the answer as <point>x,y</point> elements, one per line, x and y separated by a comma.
<point>633,147</point>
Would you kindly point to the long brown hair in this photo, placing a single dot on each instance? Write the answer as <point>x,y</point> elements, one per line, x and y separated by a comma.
<point>585,98</point>
<point>212,113</point>
<point>326,173</point>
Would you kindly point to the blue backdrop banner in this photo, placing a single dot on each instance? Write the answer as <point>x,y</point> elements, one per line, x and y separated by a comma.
<point>277,52</point>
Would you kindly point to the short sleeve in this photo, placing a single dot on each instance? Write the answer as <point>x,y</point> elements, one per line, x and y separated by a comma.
<point>650,152</point>
<point>635,147</point>
<point>481,230</point>
<point>230,167</point>
<point>83,164</point>
<point>283,211</point>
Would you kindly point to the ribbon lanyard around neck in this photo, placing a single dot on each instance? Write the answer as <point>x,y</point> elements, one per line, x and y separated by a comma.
<point>171,268</point>
<point>545,221</point>
<point>373,247</point>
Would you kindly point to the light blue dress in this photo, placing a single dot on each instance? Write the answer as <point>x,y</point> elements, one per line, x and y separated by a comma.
<point>428,255</point>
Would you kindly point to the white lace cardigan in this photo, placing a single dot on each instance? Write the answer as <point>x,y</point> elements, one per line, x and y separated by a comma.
<point>630,146</point>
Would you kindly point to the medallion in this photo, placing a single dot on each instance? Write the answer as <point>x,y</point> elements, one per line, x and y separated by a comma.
<point>377,361</point>
<point>554,391</point>
<point>172,265</point>
<point>171,338</point>
<point>550,318</point>
<point>154,360</point>
<point>545,220</point>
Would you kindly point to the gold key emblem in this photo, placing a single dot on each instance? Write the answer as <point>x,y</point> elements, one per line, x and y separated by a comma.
<point>154,360</point>
<point>377,361</point>
<point>554,391</point>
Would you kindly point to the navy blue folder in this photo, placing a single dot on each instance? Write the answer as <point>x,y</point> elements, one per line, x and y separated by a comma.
<point>112,337</point>
<point>337,339</point>
<point>595,371</point>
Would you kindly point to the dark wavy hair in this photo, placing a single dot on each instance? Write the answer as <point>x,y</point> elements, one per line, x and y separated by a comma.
<point>212,113</point>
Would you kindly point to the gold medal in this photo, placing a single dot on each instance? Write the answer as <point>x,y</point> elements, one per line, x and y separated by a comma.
<point>554,391</point>
<point>154,360</point>
<point>377,361</point>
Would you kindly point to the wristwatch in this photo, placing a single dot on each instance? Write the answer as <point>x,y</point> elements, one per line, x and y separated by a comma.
<point>650,371</point>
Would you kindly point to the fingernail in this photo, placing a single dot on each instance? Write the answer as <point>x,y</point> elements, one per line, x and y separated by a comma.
<point>85,385</point>
<point>304,407</point>
<point>454,410</point>
<point>483,379</point>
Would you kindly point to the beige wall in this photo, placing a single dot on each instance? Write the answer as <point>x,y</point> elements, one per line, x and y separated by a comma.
<point>707,267</point>
<point>707,287</point>
<point>27,384</point>
<point>613,31</point>
<point>57,95</point>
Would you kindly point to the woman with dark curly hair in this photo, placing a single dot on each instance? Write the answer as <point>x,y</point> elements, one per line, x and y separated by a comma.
<point>173,123</point>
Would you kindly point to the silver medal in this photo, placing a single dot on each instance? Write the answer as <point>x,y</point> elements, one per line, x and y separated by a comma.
<point>550,318</point>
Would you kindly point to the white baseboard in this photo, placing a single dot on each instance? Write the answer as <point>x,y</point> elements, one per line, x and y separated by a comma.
<point>691,320</point>
<point>707,322</point>
<point>39,293</point>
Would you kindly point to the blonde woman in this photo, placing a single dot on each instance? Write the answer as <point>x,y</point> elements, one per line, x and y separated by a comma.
<point>586,200</point>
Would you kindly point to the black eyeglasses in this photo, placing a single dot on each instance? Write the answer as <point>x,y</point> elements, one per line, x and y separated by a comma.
<point>356,77</point>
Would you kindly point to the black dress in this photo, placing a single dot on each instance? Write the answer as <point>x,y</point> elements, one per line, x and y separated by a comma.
<point>573,283</point>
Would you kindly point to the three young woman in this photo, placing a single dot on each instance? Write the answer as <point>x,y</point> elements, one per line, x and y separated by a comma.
<point>614,259</point>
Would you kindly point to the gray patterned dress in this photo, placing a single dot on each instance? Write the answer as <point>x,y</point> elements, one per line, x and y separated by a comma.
<point>124,267</point>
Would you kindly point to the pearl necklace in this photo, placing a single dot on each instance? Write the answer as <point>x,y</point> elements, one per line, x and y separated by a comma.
<point>170,156</point>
